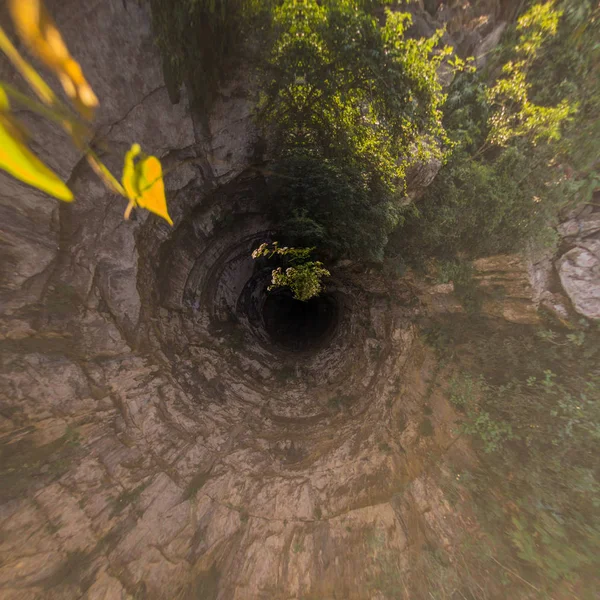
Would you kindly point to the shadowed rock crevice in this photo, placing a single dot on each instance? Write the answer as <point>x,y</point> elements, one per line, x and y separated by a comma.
<point>298,325</point>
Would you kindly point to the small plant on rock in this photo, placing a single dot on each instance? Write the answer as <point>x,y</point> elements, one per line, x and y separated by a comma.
<point>303,276</point>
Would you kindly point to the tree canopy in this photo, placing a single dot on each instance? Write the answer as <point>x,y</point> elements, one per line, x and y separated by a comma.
<point>347,105</point>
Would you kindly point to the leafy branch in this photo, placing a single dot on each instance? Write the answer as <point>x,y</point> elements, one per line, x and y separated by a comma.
<point>142,179</point>
<point>303,276</point>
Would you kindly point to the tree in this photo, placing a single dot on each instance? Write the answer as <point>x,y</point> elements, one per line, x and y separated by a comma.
<point>348,104</point>
<point>503,186</point>
<point>513,113</point>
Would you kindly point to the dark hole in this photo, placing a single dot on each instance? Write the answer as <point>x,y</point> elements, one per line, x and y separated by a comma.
<point>297,325</point>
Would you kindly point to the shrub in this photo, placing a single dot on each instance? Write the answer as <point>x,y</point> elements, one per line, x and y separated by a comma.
<point>347,104</point>
<point>333,206</point>
<point>531,400</point>
<point>302,276</point>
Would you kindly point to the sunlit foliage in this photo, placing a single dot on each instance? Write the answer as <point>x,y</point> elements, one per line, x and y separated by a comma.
<point>513,112</point>
<point>347,105</point>
<point>529,400</point>
<point>301,274</point>
<point>506,180</point>
<point>340,85</point>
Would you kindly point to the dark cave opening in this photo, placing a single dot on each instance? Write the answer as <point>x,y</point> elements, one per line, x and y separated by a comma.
<point>299,326</point>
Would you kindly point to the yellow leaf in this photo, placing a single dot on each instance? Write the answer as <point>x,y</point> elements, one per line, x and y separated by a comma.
<point>38,85</point>
<point>37,29</point>
<point>4,102</point>
<point>20,162</point>
<point>152,188</point>
<point>130,176</point>
<point>107,177</point>
<point>143,183</point>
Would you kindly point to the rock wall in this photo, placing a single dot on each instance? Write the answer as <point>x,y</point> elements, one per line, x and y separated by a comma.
<point>578,266</point>
<point>156,440</point>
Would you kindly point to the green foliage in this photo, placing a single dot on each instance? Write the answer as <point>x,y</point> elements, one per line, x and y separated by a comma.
<point>304,280</point>
<point>514,114</point>
<point>340,85</point>
<point>466,393</point>
<point>531,401</point>
<point>509,174</point>
<point>545,544</point>
<point>467,111</point>
<point>330,204</point>
<point>569,68</point>
<point>303,276</point>
<point>540,21</point>
<point>348,104</point>
<point>466,288</point>
<point>480,208</point>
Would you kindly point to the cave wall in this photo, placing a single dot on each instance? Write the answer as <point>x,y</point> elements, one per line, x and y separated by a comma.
<point>154,443</point>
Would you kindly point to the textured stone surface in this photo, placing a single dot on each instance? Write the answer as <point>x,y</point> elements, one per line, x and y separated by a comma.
<point>584,225</point>
<point>487,44</point>
<point>504,283</point>
<point>155,444</point>
<point>579,271</point>
<point>419,176</point>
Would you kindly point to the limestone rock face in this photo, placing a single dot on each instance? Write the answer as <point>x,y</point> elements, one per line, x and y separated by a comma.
<point>579,271</point>
<point>482,51</point>
<point>161,436</point>
<point>501,291</point>
<point>586,224</point>
<point>504,283</point>
<point>568,284</point>
<point>419,176</point>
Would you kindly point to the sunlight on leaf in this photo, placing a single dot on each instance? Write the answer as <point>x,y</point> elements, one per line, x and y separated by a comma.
<point>38,85</point>
<point>21,163</point>
<point>129,179</point>
<point>36,28</point>
<point>143,183</point>
<point>152,188</point>
<point>4,103</point>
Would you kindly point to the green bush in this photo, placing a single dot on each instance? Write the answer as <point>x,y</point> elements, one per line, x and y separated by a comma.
<point>333,206</point>
<point>347,104</point>
<point>531,402</point>
<point>476,208</point>
<point>302,275</point>
<point>518,131</point>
